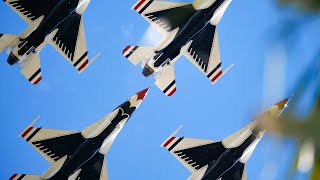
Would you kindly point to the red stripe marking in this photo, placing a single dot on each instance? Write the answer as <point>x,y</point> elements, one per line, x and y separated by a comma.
<point>172,92</point>
<point>38,80</point>
<point>83,65</point>
<point>216,76</point>
<point>142,94</point>
<point>13,176</point>
<point>125,49</point>
<point>26,132</point>
<point>139,4</point>
<point>169,141</point>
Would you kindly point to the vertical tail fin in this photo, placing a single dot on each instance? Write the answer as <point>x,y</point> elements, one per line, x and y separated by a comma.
<point>136,54</point>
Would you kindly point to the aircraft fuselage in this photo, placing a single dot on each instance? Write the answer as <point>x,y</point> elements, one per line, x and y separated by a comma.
<point>199,20</point>
<point>35,41</point>
<point>89,148</point>
<point>230,158</point>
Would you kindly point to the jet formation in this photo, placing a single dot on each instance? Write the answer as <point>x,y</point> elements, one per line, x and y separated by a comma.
<point>190,30</point>
<point>79,155</point>
<point>55,22</point>
<point>226,159</point>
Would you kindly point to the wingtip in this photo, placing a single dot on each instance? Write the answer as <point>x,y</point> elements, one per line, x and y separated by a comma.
<point>25,131</point>
<point>13,176</point>
<point>125,49</point>
<point>171,137</point>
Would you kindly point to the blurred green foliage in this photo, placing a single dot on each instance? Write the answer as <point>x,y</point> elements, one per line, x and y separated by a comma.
<point>304,5</point>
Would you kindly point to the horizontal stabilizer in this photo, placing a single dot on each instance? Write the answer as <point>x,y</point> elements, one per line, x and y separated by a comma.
<point>166,80</point>
<point>32,71</point>
<point>6,40</point>
<point>136,54</point>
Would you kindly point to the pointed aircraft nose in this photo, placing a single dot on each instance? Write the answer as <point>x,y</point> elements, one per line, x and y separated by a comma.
<point>137,99</point>
<point>142,94</point>
<point>277,109</point>
<point>268,117</point>
<point>282,104</point>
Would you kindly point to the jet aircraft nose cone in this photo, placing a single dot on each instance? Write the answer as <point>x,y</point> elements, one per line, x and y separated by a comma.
<point>147,71</point>
<point>12,59</point>
<point>282,104</point>
<point>142,94</point>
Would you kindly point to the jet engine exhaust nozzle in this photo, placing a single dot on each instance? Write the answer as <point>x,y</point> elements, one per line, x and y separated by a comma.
<point>147,71</point>
<point>12,59</point>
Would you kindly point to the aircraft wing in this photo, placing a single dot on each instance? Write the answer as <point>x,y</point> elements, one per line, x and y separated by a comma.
<point>52,144</point>
<point>164,16</point>
<point>70,42</point>
<point>194,154</point>
<point>30,10</point>
<point>203,51</point>
<point>94,169</point>
<point>237,172</point>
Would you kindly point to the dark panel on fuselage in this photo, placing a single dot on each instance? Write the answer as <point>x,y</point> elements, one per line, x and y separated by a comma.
<point>235,173</point>
<point>227,160</point>
<point>91,170</point>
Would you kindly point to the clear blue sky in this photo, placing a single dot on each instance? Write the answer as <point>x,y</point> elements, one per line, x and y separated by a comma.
<point>66,100</point>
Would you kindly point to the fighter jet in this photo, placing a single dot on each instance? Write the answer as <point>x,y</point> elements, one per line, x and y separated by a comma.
<point>208,160</point>
<point>189,30</point>
<point>79,155</point>
<point>57,22</point>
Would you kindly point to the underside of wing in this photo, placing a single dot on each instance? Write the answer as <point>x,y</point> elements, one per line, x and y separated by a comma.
<point>164,16</point>
<point>94,169</point>
<point>30,10</point>
<point>71,43</point>
<point>203,51</point>
<point>53,144</point>
<point>194,154</point>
